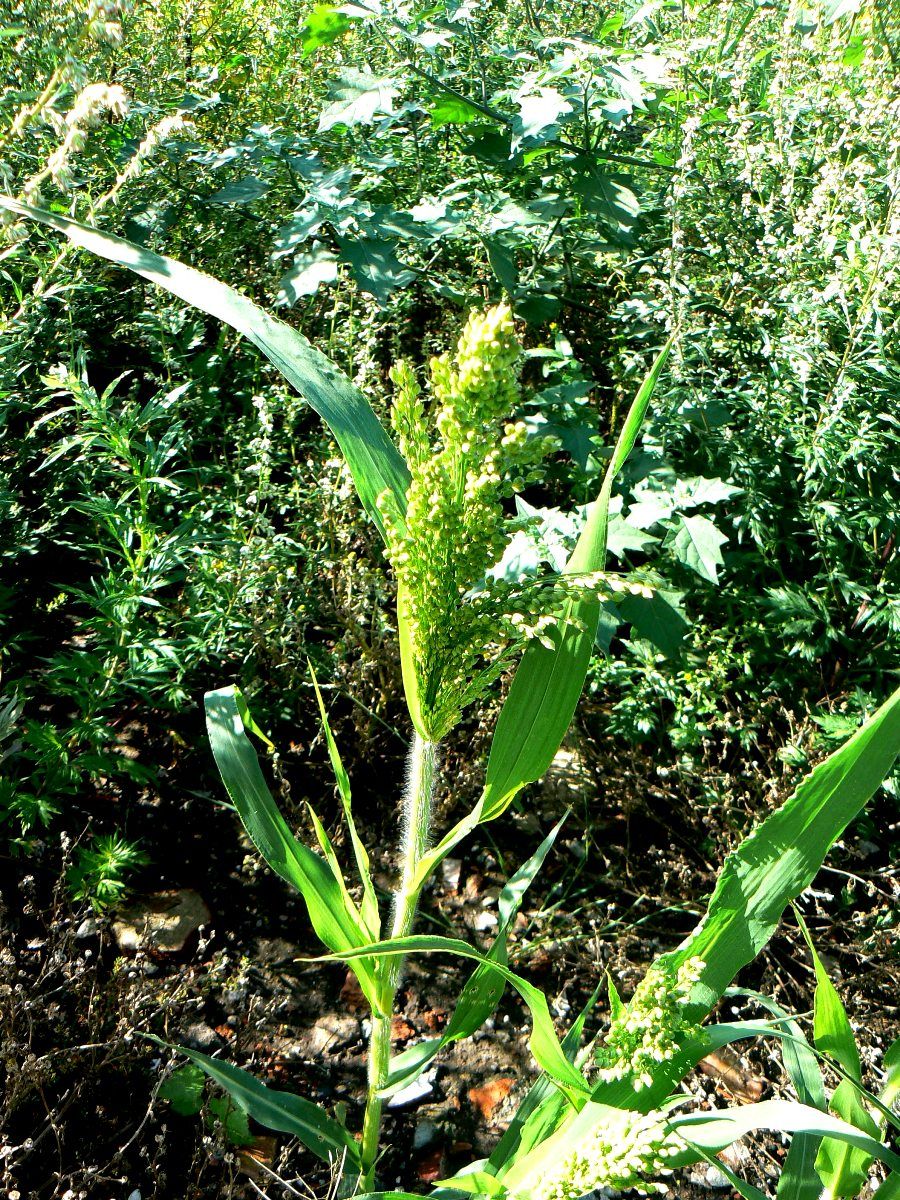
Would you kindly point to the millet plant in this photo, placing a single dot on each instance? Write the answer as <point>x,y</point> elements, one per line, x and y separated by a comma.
<point>603,1114</point>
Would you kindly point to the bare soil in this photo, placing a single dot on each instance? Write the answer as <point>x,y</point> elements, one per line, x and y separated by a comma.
<point>628,878</point>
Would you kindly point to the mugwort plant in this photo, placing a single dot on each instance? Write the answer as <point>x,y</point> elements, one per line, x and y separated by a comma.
<point>605,1114</point>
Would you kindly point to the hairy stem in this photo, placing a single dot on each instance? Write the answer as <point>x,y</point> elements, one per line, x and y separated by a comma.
<point>416,829</point>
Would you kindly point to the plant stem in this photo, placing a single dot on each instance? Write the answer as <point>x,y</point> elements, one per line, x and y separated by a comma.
<point>416,828</point>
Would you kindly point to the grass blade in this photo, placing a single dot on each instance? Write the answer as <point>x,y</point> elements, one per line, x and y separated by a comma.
<point>547,684</point>
<point>544,1106</point>
<point>718,1129</point>
<point>281,1111</point>
<point>799,1179</point>
<point>780,859</point>
<point>370,915</point>
<point>544,1044</point>
<point>375,462</point>
<point>482,991</point>
<point>842,1169</point>
<point>336,925</point>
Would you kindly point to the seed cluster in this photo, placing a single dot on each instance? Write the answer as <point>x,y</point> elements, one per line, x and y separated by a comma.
<point>465,453</point>
<point>647,1032</point>
<point>628,1151</point>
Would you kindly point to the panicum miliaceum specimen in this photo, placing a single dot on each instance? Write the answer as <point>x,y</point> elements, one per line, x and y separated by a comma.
<point>465,454</point>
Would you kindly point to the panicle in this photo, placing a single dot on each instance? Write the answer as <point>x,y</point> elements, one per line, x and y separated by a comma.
<point>630,1150</point>
<point>649,1030</point>
<point>467,450</point>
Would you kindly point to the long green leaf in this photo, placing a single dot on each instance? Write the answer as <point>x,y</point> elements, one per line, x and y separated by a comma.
<point>799,1179</point>
<point>543,1042</point>
<point>544,1106</point>
<point>842,1169</point>
<point>782,856</point>
<point>718,1129</point>
<point>831,1025</point>
<point>370,913</point>
<point>890,1189</point>
<point>547,684</point>
<point>281,1111</point>
<point>337,926</point>
<point>374,461</point>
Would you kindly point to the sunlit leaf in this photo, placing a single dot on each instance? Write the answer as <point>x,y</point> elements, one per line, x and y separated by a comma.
<point>357,97</point>
<point>330,909</point>
<point>375,463</point>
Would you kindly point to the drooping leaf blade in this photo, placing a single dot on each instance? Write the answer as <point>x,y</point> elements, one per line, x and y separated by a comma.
<point>544,1105</point>
<point>281,1111</point>
<point>718,1129</point>
<point>374,461</point>
<point>544,1044</point>
<point>799,1179</point>
<point>239,767</point>
<point>482,991</point>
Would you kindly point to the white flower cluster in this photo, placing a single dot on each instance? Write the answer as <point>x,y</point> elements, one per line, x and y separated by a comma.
<point>105,20</point>
<point>153,138</point>
<point>631,1150</point>
<point>649,1029</point>
<point>90,105</point>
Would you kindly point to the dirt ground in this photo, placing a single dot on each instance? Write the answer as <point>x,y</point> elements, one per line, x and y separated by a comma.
<point>628,877</point>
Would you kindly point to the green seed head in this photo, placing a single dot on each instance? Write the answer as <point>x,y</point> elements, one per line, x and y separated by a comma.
<point>466,450</point>
<point>650,1029</point>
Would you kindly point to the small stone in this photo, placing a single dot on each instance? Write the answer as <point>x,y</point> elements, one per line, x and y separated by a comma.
<point>413,1092</point>
<point>709,1176</point>
<point>135,1195</point>
<point>332,1033</point>
<point>451,868</point>
<point>426,1134</point>
<point>567,779</point>
<point>484,921</point>
<point>200,1036</point>
<point>486,1098</point>
<point>162,922</point>
<point>715,1178</point>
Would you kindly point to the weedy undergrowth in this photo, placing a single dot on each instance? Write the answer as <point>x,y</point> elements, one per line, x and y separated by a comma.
<point>603,1115</point>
